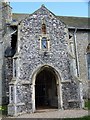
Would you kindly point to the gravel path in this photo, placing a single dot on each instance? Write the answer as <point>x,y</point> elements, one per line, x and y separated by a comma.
<point>56,114</point>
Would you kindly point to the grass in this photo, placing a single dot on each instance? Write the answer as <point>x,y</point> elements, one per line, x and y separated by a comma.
<point>83,118</point>
<point>87,104</point>
<point>3,110</point>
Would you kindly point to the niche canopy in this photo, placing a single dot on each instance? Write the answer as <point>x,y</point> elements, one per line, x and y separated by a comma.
<point>44,38</point>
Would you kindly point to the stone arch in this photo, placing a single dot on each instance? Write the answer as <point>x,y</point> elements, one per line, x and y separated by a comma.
<point>58,84</point>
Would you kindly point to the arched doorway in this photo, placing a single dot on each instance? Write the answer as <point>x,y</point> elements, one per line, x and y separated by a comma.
<point>46,88</point>
<point>50,75</point>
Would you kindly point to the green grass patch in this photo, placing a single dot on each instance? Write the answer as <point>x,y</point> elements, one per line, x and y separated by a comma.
<point>3,110</point>
<point>83,118</point>
<point>87,104</point>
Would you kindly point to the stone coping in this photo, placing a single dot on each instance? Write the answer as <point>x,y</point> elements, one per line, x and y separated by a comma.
<point>71,55</point>
<point>25,82</point>
<point>13,81</point>
<point>16,104</point>
<point>73,100</point>
<point>66,81</point>
<point>16,55</point>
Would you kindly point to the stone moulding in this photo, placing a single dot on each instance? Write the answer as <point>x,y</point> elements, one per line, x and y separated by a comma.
<point>20,104</point>
<point>66,81</point>
<point>73,100</point>
<point>13,82</point>
<point>25,82</point>
<point>71,55</point>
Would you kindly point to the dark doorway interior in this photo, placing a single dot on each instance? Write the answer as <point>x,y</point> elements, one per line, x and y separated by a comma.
<point>46,89</point>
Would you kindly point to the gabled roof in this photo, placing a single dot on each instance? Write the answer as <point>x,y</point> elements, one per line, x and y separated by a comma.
<point>42,10</point>
<point>19,16</point>
<point>79,22</point>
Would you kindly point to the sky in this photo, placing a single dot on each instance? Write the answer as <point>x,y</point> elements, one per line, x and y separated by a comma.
<point>78,9</point>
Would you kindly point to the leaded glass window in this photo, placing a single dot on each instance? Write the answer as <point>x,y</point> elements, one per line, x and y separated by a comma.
<point>44,43</point>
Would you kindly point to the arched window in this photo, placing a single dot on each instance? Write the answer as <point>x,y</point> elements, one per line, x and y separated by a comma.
<point>88,60</point>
